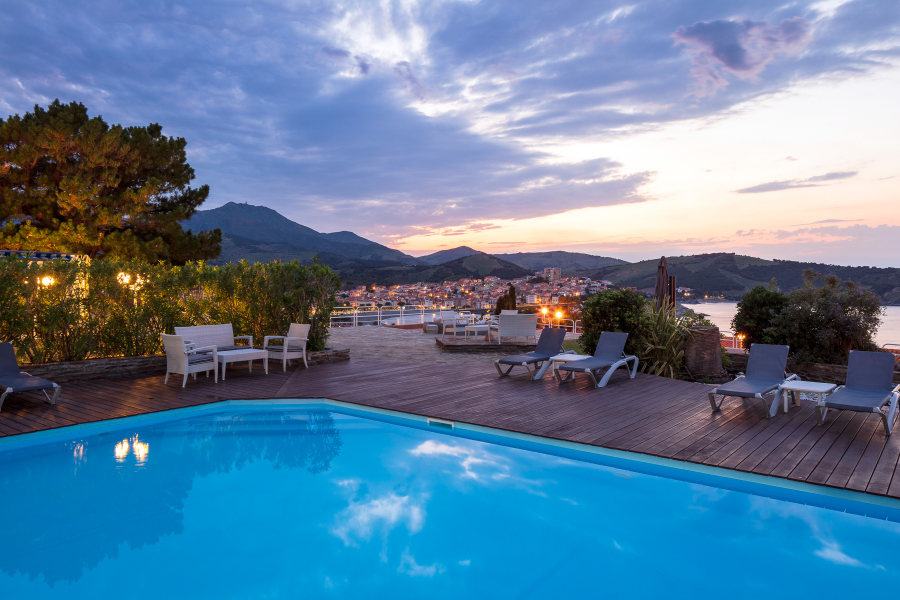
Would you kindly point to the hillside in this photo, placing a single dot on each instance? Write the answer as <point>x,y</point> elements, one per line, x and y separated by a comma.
<point>732,275</point>
<point>567,261</point>
<point>442,256</point>
<point>263,224</point>
<point>475,267</point>
<point>354,271</point>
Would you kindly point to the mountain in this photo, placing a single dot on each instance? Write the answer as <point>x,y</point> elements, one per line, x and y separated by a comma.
<point>355,271</point>
<point>732,275</point>
<point>265,225</point>
<point>567,261</point>
<point>442,256</point>
<point>476,266</point>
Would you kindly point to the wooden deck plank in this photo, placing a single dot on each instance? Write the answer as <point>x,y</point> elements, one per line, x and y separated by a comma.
<point>649,415</point>
<point>880,481</point>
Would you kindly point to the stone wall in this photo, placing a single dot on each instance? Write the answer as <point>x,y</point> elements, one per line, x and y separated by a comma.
<point>99,368</point>
<point>818,372</point>
<point>703,352</point>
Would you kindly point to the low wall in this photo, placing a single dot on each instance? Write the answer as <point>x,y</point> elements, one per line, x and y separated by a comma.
<point>818,372</point>
<point>100,368</point>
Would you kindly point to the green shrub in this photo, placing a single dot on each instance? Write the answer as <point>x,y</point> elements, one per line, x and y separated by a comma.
<point>820,324</point>
<point>823,324</point>
<point>58,311</point>
<point>756,313</point>
<point>615,310</point>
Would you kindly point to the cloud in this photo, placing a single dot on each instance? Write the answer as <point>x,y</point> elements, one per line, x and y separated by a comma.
<point>359,114</point>
<point>831,551</point>
<point>471,459</point>
<point>849,245</point>
<point>408,566</point>
<point>740,47</point>
<point>777,186</point>
<point>360,520</point>
<point>828,221</point>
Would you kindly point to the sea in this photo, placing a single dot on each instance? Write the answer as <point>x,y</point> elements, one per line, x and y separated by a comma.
<point>721,314</point>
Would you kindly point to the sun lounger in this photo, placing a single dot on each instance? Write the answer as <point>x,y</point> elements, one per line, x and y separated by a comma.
<point>13,380</point>
<point>765,372</point>
<point>868,389</point>
<point>548,346</point>
<point>609,355</point>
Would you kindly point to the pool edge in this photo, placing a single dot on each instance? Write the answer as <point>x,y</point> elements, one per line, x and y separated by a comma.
<point>701,471</point>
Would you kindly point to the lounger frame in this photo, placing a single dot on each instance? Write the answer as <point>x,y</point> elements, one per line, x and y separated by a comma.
<point>771,411</point>
<point>51,399</point>
<point>886,419</point>
<point>595,372</point>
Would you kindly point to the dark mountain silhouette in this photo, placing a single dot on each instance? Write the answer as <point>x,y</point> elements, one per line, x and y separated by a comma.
<point>265,225</point>
<point>732,275</point>
<point>442,256</point>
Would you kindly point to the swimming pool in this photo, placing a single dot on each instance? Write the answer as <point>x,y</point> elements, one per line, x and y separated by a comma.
<point>281,500</point>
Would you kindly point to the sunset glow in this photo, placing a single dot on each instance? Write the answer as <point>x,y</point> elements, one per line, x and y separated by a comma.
<point>628,130</point>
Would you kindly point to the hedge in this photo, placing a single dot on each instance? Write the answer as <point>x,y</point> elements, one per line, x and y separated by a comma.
<point>63,311</point>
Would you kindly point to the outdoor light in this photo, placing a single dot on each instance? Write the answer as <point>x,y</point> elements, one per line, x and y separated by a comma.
<point>544,310</point>
<point>47,281</point>
<point>124,278</point>
<point>558,315</point>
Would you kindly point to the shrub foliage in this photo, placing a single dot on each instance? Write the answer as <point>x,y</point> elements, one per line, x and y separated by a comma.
<point>655,335</point>
<point>820,323</point>
<point>614,310</point>
<point>59,311</point>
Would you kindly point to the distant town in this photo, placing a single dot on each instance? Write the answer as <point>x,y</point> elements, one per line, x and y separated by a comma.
<point>544,287</point>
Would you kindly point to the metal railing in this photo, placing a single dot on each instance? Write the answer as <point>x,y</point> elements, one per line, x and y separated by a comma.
<point>731,338</point>
<point>357,316</point>
<point>575,326</point>
<point>885,347</point>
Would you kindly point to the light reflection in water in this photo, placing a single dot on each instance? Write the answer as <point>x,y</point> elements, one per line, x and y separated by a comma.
<point>121,450</point>
<point>141,449</point>
<point>78,453</point>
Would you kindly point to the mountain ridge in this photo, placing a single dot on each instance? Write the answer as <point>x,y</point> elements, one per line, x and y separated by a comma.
<point>266,225</point>
<point>732,275</point>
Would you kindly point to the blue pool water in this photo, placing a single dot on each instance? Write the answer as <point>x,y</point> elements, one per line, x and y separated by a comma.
<point>296,502</point>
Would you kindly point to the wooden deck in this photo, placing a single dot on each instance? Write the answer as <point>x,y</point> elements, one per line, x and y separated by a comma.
<point>650,415</point>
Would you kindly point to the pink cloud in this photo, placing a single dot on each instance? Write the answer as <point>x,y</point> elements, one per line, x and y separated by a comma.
<point>740,47</point>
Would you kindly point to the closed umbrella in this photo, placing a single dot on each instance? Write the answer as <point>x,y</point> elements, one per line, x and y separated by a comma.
<point>662,282</point>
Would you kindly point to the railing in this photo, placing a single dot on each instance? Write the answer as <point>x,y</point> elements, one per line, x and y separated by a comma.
<point>575,326</point>
<point>891,350</point>
<point>357,316</point>
<point>731,340</point>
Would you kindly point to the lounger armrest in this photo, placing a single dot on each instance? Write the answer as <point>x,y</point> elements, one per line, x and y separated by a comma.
<point>569,352</point>
<point>249,339</point>
<point>791,377</point>
<point>896,390</point>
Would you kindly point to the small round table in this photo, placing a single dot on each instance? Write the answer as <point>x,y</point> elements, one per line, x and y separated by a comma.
<point>810,387</point>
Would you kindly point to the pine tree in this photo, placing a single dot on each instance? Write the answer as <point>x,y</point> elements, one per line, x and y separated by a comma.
<point>70,183</point>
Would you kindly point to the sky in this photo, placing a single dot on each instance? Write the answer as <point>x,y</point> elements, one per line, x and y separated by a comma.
<point>626,129</point>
